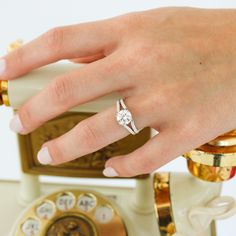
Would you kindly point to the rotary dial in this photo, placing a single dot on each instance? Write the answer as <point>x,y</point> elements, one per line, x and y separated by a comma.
<point>71,213</point>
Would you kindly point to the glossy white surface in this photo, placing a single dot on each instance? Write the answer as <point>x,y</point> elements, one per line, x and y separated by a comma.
<point>187,193</point>
<point>27,86</point>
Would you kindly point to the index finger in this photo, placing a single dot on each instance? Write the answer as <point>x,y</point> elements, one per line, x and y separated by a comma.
<point>65,42</point>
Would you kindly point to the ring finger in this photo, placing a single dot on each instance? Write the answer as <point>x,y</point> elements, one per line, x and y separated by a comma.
<point>89,136</point>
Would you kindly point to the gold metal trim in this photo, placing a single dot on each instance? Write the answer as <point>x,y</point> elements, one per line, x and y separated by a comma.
<point>1,100</point>
<point>15,45</point>
<point>4,90</point>
<point>210,173</point>
<point>163,206</point>
<point>212,159</point>
<point>79,215</point>
<point>213,229</point>
<point>4,98</point>
<point>224,141</point>
<point>164,213</point>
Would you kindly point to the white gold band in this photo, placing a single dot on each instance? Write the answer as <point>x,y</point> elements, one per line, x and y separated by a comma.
<point>124,117</point>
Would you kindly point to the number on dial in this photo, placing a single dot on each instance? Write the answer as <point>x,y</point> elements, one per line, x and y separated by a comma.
<point>31,227</point>
<point>87,202</point>
<point>45,211</point>
<point>104,214</point>
<point>65,201</point>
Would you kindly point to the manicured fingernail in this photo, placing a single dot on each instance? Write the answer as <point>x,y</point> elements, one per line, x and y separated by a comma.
<point>2,66</point>
<point>16,125</point>
<point>44,156</point>
<point>110,172</point>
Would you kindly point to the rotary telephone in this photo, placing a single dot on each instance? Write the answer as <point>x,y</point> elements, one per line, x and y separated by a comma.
<point>160,204</point>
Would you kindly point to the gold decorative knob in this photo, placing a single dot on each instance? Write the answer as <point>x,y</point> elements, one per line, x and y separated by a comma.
<point>4,99</point>
<point>214,161</point>
<point>14,45</point>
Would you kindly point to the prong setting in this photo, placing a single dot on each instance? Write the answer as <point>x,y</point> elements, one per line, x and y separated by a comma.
<point>124,117</point>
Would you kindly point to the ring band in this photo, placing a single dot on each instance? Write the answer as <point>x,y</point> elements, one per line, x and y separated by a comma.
<point>124,117</point>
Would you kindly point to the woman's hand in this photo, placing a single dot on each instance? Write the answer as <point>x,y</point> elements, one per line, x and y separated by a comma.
<point>175,67</point>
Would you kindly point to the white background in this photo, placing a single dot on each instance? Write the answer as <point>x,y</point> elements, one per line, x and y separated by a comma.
<point>27,19</point>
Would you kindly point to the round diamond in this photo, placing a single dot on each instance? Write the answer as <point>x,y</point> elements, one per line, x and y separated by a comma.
<point>124,117</point>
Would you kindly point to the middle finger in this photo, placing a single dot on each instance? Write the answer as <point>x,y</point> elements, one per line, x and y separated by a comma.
<point>66,91</point>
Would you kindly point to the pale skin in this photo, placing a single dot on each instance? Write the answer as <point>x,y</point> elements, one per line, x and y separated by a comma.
<point>175,68</point>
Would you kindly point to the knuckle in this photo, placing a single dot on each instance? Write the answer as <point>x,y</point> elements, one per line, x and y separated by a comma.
<point>164,52</point>
<point>132,59</point>
<point>60,90</point>
<point>127,24</point>
<point>147,165</point>
<point>88,136</point>
<point>133,19</point>
<point>117,65</point>
<point>194,125</point>
<point>19,55</point>
<point>56,151</point>
<point>141,55</point>
<point>143,50</point>
<point>190,130</point>
<point>26,118</point>
<point>130,62</point>
<point>53,40</point>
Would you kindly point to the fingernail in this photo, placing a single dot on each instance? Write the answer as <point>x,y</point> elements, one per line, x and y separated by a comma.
<point>44,156</point>
<point>110,172</point>
<point>2,66</point>
<point>16,125</point>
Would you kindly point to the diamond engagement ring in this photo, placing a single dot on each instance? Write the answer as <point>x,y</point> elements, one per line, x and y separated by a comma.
<point>124,117</point>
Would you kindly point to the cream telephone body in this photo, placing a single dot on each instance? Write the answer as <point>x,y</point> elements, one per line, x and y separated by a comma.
<point>158,205</point>
<point>113,212</point>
